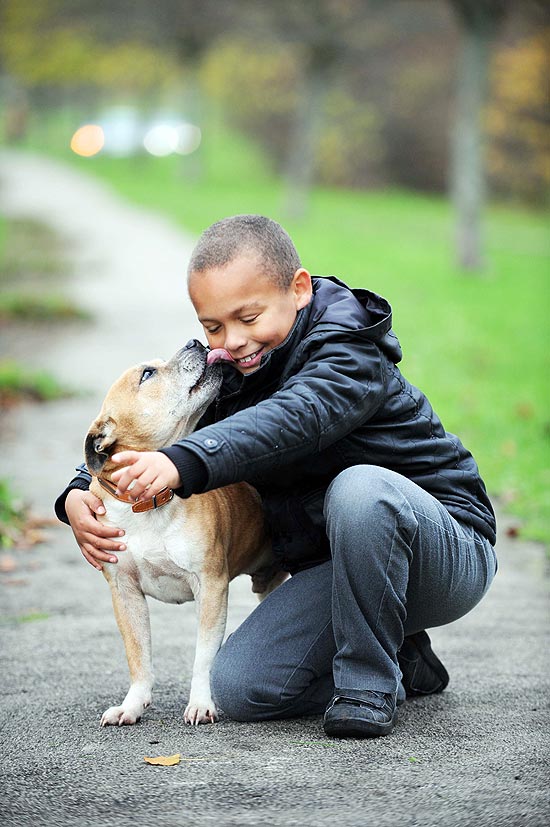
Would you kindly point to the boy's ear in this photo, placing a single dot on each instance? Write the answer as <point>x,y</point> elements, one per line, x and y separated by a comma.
<point>302,288</point>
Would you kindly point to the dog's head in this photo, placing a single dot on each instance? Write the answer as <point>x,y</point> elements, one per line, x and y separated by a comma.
<point>152,405</point>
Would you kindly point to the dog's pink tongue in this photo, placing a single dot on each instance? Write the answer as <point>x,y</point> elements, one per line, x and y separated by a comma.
<point>219,354</point>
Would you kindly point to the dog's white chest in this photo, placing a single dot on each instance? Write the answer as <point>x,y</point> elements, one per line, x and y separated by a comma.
<point>163,556</point>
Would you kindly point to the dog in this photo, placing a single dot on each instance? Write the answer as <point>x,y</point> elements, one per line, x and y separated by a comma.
<point>177,549</point>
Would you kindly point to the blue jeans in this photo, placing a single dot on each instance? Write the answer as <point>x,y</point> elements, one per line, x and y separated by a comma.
<point>400,564</point>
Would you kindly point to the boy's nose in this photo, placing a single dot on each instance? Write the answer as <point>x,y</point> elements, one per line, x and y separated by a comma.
<point>234,341</point>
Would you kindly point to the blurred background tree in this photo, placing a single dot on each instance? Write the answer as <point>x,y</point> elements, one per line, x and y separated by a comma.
<point>518,119</point>
<point>480,21</point>
<point>358,94</point>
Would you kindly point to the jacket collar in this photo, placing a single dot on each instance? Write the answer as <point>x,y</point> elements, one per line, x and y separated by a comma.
<point>272,363</point>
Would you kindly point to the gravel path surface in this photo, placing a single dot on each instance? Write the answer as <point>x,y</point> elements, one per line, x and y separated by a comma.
<point>476,755</point>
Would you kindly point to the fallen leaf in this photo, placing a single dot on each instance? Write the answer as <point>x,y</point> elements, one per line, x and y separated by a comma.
<point>525,410</point>
<point>37,521</point>
<point>509,448</point>
<point>33,536</point>
<point>163,760</point>
<point>7,563</point>
<point>512,531</point>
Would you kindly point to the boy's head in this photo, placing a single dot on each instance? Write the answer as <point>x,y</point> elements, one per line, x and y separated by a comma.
<point>247,285</point>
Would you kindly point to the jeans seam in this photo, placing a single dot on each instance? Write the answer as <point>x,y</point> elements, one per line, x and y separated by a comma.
<point>298,665</point>
<point>440,525</point>
<point>390,556</point>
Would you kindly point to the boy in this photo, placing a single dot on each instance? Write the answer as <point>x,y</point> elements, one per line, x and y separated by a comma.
<point>378,513</point>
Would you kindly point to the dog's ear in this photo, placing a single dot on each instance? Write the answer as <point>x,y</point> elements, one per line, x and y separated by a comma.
<point>99,444</point>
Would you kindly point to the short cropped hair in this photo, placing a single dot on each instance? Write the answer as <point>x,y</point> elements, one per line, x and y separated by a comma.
<point>238,235</point>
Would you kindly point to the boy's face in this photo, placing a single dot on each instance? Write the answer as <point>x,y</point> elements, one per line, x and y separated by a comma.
<point>243,311</point>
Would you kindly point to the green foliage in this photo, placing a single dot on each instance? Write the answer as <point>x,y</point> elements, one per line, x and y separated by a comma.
<point>517,119</point>
<point>28,250</point>
<point>18,381</point>
<point>349,147</point>
<point>11,514</point>
<point>29,307</point>
<point>31,257</point>
<point>40,47</point>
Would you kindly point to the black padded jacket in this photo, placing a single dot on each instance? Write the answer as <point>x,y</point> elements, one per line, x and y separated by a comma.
<point>329,397</point>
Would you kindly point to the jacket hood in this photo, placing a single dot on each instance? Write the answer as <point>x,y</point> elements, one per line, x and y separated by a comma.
<point>337,307</point>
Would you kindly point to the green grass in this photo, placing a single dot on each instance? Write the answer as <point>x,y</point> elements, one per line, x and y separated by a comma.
<point>479,346</point>
<point>32,265</point>
<point>21,382</point>
<point>28,307</point>
<point>30,250</point>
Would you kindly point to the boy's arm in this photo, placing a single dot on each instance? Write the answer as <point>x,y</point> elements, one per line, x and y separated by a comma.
<point>81,481</point>
<point>339,387</point>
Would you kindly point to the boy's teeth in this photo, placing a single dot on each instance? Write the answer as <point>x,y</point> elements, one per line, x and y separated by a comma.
<point>248,358</point>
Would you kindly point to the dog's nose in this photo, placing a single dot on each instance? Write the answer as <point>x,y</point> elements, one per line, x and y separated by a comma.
<point>193,343</point>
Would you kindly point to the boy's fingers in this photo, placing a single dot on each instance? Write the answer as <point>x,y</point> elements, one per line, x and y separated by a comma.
<point>95,555</point>
<point>128,457</point>
<point>90,558</point>
<point>103,542</point>
<point>105,531</point>
<point>124,475</point>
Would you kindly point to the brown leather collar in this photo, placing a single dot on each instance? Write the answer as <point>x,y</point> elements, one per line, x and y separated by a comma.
<point>159,499</point>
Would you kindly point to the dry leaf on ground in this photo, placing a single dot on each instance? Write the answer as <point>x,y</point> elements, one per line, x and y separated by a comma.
<point>163,760</point>
<point>7,563</point>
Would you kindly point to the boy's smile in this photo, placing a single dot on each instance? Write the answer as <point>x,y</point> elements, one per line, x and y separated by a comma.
<point>244,311</point>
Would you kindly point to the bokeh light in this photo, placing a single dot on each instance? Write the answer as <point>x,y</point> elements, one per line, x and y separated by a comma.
<point>88,140</point>
<point>189,138</point>
<point>161,140</point>
<point>164,139</point>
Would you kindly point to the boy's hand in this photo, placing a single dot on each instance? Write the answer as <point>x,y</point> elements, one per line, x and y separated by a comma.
<point>145,473</point>
<point>94,539</point>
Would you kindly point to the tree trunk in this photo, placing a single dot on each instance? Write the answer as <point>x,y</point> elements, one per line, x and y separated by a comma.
<point>300,166</point>
<point>480,20</point>
<point>468,180</point>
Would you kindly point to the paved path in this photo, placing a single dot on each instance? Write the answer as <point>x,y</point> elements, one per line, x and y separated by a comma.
<point>476,755</point>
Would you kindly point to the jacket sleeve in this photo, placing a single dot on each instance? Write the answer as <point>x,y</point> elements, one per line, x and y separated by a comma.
<point>81,481</point>
<point>338,387</point>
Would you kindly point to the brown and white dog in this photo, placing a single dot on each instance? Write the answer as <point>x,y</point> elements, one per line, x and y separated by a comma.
<point>177,549</point>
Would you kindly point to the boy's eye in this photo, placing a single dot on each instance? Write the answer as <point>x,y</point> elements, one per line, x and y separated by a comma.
<point>250,319</point>
<point>147,373</point>
<point>212,330</point>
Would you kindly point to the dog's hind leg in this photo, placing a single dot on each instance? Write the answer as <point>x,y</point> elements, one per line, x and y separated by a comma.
<point>132,616</point>
<point>211,603</point>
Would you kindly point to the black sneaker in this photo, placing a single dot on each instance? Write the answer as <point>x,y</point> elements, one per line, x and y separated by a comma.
<point>423,672</point>
<point>364,714</point>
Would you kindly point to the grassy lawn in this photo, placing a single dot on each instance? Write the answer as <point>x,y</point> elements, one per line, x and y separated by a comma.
<point>479,346</point>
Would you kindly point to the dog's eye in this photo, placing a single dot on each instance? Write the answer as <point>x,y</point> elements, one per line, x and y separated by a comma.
<point>147,373</point>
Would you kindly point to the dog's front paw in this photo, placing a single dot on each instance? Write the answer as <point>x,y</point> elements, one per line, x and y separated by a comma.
<point>121,716</point>
<point>200,713</point>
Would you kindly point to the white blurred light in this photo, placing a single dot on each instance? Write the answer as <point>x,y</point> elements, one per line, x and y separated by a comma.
<point>161,140</point>
<point>123,130</point>
<point>189,138</point>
